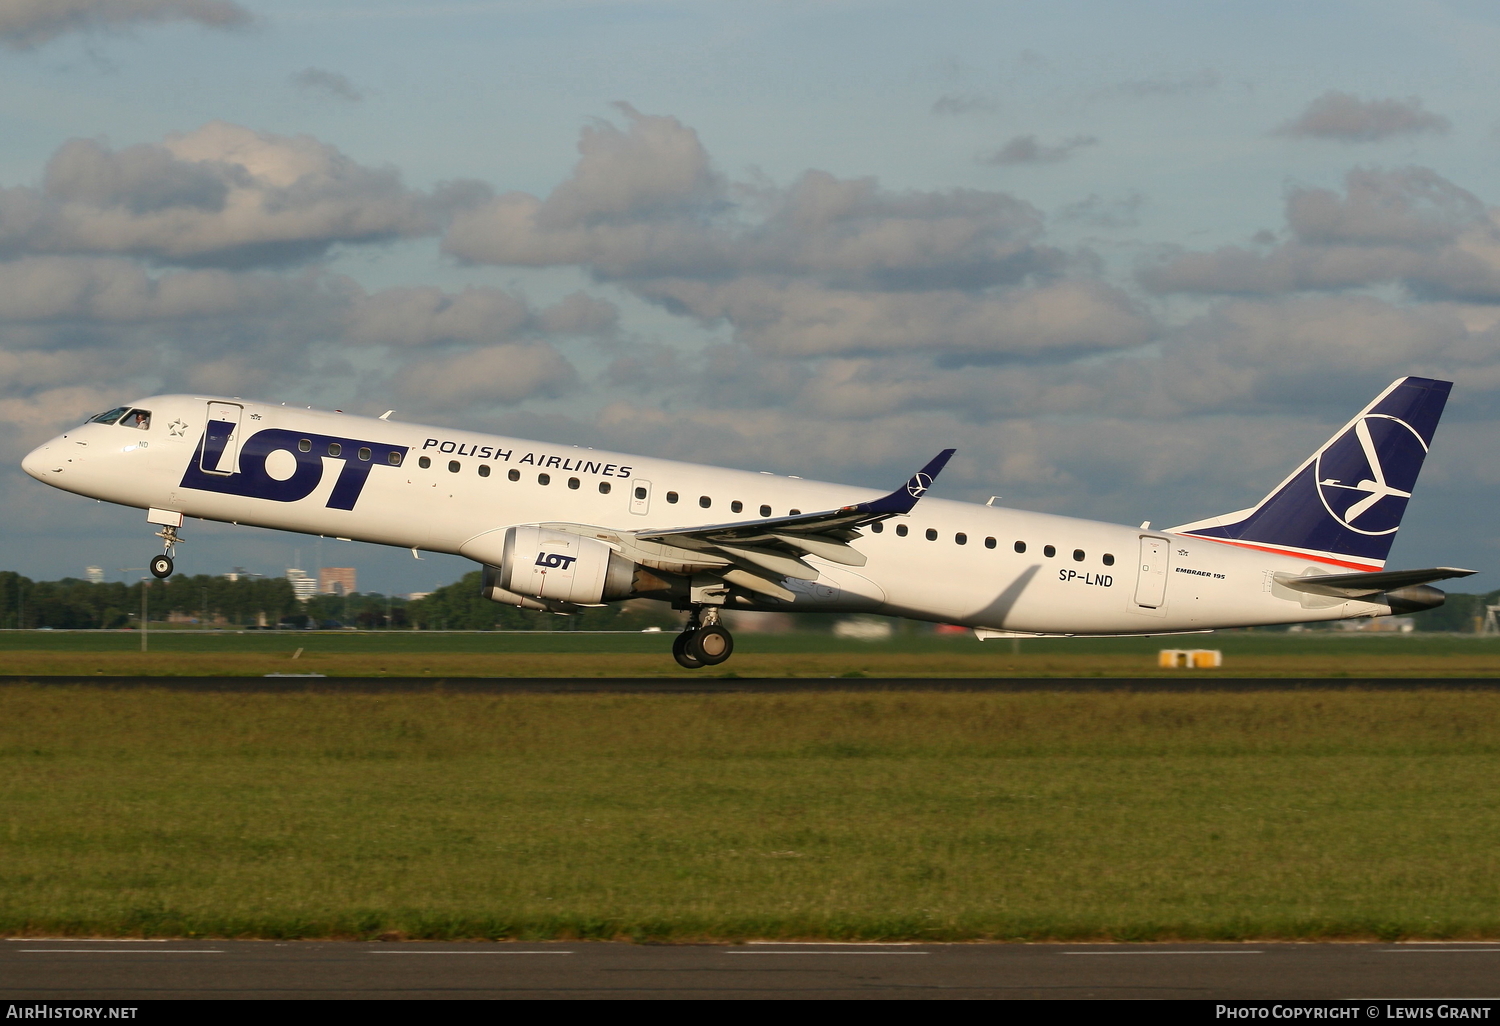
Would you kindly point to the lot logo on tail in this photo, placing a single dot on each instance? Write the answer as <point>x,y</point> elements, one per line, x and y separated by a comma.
<point>1345,502</point>
<point>1366,474</point>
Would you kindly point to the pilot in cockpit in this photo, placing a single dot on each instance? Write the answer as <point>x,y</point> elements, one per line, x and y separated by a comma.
<point>139,419</point>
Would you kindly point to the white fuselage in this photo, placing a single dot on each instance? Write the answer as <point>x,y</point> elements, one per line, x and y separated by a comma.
<point>954,562</point>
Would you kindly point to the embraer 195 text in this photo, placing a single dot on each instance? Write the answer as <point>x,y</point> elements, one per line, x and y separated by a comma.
<point>561,528</point>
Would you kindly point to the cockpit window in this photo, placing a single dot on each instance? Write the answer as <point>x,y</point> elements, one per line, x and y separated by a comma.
<point>110,417</point>
<point>137,419</point>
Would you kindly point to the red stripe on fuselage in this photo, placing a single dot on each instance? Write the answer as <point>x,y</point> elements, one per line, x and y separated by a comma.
<point>1290,552</point>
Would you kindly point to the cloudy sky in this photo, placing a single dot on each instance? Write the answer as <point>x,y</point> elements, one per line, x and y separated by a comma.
<point>1134,261</point>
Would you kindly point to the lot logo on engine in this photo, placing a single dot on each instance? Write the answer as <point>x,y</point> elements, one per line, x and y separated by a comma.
<point>555,559</point>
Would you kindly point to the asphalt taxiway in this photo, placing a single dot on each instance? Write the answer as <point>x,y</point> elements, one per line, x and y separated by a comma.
<point>71,969</point>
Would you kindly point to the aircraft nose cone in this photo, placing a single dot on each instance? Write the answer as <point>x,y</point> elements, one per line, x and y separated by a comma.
<point>35,462</point>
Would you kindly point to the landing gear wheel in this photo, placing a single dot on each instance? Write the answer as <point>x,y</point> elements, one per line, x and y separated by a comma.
<point>161,566</point>
<point>681,651</point>
<point>710,645</point>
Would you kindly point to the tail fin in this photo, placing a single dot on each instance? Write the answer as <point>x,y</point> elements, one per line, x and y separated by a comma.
<point>1344,504</point>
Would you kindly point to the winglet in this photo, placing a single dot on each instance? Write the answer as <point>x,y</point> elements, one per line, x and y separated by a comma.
<point>904,498</point>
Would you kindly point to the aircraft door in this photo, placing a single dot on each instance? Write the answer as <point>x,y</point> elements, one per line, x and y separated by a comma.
<point>640,497</point>
<point>221,439</point>
<point>1151,584</point>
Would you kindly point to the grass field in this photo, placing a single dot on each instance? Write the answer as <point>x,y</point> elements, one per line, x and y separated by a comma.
<point>567,654</point>
<point>937,816</point>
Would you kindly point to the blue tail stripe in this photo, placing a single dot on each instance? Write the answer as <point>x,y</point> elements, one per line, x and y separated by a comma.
<point>1342,500</point>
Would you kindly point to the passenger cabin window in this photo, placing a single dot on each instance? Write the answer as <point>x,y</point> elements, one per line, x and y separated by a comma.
<point>364,454</point>
<point>794,512</point>
<point>1078,555</point>
<point>603,487</point>
<point>640,493</point>
<point>877,527</point>
<point>393,458</point>
<point>422,461</point>
<point>514,475</point>
<point>961,539</point>
<point>454,466</point>
<point>931,534</point>
<point>1020,546</point>
<point>989,543</point>
<point>1109,559</point>
<point>671,496</point>
<point>765,511</point>
<point>109,416</point>
<point>484,470</point>
<point>140,419</point>
<point>705,501</point>
<point>1049,551</point>
<point>544,479</point>
<point>335,449</point>
<point>736,506</point>
<point>573,483</point>
<point>305,445</point>
<point>900,530</point>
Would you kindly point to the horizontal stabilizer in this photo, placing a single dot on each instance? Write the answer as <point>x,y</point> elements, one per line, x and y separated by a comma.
<point>1360,585</point>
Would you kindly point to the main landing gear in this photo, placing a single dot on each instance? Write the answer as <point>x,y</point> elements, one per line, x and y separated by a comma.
<point>703,642</point>
<point>161,566</point>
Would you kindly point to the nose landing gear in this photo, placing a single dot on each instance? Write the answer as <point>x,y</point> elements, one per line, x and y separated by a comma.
<point>703,642</point>
<point>161,566</point>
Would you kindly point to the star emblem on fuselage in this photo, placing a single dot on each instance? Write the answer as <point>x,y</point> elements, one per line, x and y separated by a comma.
<point>255,416</point>
<point>178,428</point>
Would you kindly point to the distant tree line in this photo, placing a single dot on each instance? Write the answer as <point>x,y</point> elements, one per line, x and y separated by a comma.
<point>1459,613</point>
<point>460,607</point>
<point>249,601</point>
<point>71,603</point>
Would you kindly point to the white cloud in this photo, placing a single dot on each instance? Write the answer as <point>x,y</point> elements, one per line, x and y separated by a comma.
<point>1410,227</point>
<point>221,194</point>
<point>28,23</point>
<point>1024,149</point>
<point>503,374</point>
<point>330,84</point>
<point>799,318</point>
<point>1344,117</point>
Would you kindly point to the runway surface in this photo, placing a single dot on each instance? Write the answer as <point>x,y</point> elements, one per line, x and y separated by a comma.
<point>141,970</point>
<point>762,685</point>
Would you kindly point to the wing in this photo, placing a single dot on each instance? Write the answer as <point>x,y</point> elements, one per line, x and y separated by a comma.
<point>762,552</point>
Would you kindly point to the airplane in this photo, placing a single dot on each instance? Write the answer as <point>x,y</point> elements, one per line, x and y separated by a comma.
<point>563,528</point>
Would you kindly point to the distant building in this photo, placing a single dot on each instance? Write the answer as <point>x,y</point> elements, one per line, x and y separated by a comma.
<point>303,586</point>
<point>336,580</point>
<point>94,574</point>
<point>743,621</point>
<point>417,596</point>
<point>1379,625</point>
<point>862,628</point>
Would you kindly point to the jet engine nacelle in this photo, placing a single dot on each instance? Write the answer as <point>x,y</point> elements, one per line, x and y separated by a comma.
<point>490,588</point>
<point>556,567</point>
